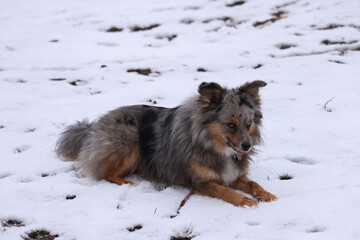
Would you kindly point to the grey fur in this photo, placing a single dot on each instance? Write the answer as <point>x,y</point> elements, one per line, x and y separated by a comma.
<point>167,138</point>
<point>72,140</point>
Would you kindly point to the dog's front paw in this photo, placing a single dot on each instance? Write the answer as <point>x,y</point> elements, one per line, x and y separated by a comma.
<point>265,196</point>
<point>245,201</point>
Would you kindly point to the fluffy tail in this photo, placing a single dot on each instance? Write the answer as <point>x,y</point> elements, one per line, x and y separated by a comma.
<point>72,140</point>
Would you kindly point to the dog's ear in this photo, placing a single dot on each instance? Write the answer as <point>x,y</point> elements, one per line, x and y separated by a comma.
<point>252,88</point>
<point>211,94</point>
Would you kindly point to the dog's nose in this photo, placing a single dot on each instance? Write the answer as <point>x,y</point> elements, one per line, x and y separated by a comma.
<point>246,146</point>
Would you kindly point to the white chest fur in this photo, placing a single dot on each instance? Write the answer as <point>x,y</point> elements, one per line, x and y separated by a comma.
<point>230,172</point>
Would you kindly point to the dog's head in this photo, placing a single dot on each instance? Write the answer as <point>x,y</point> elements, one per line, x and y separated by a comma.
<point>232,116</point>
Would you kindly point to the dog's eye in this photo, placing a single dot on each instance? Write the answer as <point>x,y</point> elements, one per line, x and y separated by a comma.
<point>231,125</point>
<point>248,125</point>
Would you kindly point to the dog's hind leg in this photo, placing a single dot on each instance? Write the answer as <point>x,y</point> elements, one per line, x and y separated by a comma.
<point>116,166</point>
<point>112,149</point>
<point>254,189</point>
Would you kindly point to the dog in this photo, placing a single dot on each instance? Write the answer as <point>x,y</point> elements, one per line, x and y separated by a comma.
<point>205,144</point>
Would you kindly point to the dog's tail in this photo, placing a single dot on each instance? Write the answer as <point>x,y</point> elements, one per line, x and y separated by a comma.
<point>72,140</point>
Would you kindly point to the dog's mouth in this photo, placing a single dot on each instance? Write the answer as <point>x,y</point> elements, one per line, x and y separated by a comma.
<point>238,152</point>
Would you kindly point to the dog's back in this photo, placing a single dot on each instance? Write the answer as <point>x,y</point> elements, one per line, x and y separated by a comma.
<point>203,144</point>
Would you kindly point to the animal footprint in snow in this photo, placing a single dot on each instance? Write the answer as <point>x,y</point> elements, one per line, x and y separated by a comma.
<point>301,160</point>
<point>21,149</point>
<point>316,229</point>
<point>29,130</point>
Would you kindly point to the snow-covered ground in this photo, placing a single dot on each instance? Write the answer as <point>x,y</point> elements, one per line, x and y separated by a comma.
<point>58,64</point>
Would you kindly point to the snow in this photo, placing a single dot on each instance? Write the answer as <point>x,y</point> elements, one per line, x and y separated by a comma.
<point>319,147</point>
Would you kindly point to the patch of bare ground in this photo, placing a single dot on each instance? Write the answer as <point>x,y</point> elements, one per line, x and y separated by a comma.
<point>224,19</point>
<point>40,234</point>
<point>267,21</point>
<point>137,28</point>
<point>169,37</point>
<point>12,223</point>
<point>283,46</point>
<point>141,71</point>
<point>287,4</point>
<point>114,29</point>
<point>201,69</point>
<point>332,42</point>
<point>332,26</point>
<point>187,21</point>
<point>185,234</point>
<point>135,228</point>
<point>78,82</point>
<point>236,3</point>
<point>341,51</point>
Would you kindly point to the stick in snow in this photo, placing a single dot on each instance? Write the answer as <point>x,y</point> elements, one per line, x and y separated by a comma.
<point>325,106</point>
<point>183,202</point>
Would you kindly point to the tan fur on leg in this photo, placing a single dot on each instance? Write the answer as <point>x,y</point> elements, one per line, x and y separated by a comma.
<point>216,190</point>
<point>253,188</point>
<point>116,167</point>
<point>119,180</point>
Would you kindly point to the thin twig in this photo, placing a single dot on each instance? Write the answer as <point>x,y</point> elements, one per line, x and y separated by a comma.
<point>183,202</point>
<point>325,105</point>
